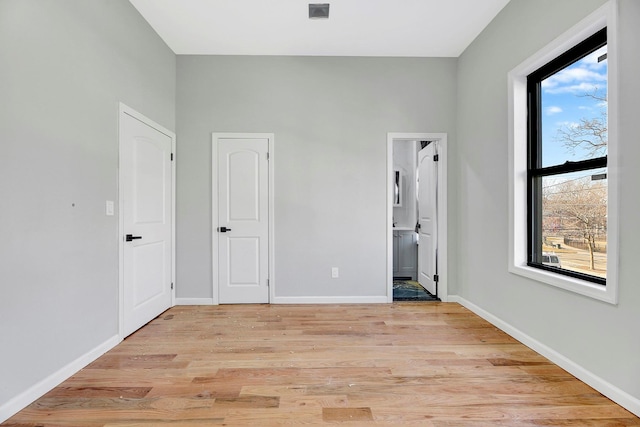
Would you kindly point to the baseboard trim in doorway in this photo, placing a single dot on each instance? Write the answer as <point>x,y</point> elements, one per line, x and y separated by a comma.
<point>331,300</point>
<point>38,390</point>
<point>194,301</point>
<point>619,396</point>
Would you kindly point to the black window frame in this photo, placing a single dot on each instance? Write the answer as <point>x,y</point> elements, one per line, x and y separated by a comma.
<point>535,170</point>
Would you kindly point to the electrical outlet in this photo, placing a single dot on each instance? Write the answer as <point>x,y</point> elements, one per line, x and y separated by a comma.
<point>335,272</point>
<point>109,207</point>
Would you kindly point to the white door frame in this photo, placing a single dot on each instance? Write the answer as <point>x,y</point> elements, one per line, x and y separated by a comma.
<point>443,292</point>
<point>124,109</point>
<point>215,136</point>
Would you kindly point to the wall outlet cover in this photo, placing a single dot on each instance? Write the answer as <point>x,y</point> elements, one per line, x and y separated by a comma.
<point>109,208</point>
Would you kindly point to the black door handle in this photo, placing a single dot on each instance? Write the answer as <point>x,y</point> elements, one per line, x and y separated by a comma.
<point>223,229</point>
<point>130,237</point>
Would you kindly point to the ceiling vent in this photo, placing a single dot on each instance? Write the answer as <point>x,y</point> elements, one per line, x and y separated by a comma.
<point>318,10</point>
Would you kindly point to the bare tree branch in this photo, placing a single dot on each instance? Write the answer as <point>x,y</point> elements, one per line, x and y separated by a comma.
<point>576,209</point>
<point>591,133</point>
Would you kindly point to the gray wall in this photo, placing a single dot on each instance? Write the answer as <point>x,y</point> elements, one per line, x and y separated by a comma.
<point>64,66</point>
<point>330,117</point>
<point>601,337</point>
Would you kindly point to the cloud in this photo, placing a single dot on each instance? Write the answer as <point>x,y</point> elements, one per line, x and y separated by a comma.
<point>570,125</point>
<point>578,74</point>
<point>575,80</point>
<point>553,110</point>
<point>591,60</point>
<point>585,76</point>
<point>580,88</point>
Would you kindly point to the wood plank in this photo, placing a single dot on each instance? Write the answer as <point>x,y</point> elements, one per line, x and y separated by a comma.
<point>249,402</point>
<point>428,364</point>
<point>84,392</point>
<point>346,414</point>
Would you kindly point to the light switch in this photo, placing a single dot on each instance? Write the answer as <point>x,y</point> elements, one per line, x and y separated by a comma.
<point>109,207</point>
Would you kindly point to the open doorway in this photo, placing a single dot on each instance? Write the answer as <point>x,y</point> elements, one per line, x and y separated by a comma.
<point>416,212</point>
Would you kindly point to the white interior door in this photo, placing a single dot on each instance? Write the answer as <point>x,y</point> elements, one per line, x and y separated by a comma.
<point>243,220</point>
<point>427,218</point>
<point>146,208</point>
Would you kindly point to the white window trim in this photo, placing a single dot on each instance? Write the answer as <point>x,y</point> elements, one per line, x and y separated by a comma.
<point>517,80</point>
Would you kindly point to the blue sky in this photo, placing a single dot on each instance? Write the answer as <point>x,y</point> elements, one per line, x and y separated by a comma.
<point>564,104</point>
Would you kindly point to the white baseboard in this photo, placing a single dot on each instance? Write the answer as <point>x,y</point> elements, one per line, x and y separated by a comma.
<point>194,301</point>
<point>297,300</point>
<point>619,396</point>
<point>331,300</point>
<point>28,396</point>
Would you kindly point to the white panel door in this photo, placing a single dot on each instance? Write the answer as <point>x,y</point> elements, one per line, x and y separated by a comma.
<point>427,219</point>
<point>243,220</point>
<point>145,161</point>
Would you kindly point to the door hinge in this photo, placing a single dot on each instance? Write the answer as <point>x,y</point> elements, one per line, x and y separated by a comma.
<point>436,278</point>
<point>172,157</point>
<point>267,155</point>
<point>171,285</point>
<point>436,157</point>
<point>268,283</point>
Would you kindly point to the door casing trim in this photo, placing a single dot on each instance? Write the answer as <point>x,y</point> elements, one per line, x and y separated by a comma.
<point>126,110</point>
<point>441,138</point>
<point>215,136</point>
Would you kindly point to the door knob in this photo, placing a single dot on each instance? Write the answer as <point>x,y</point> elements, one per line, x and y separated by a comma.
<point>130,237</point>
<point>223,229</point>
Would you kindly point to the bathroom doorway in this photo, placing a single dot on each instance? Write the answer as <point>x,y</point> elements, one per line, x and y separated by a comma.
<point>416,229</point>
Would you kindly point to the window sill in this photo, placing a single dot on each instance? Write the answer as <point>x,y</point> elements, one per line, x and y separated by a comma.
<point>582,287</point>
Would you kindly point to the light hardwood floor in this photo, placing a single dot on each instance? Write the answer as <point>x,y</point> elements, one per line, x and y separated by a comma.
<point>428,364</point>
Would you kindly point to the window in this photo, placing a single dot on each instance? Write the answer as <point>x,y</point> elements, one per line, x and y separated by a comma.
<point>567,162</point>
<point>563,193</point>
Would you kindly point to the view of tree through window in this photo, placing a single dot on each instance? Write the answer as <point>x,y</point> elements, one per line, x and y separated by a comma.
<point>568,173</point>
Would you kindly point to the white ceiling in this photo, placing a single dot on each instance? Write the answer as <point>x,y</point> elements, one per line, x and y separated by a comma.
<point>423,28</point>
